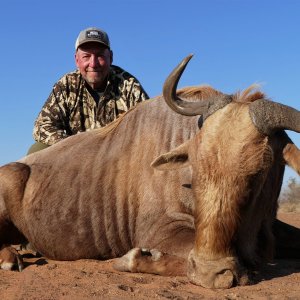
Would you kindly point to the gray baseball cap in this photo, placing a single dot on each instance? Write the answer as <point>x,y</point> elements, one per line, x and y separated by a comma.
<point>92,34</point>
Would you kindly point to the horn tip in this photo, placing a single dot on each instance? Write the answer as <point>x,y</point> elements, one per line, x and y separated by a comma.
<point>185,61</point>
<point>190,56</point>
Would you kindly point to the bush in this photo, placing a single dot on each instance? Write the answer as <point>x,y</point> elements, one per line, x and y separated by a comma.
<point>289,200</point>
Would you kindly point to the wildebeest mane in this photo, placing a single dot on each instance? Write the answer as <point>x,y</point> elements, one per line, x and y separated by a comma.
<point>194,93</point>
<point>250,94</point>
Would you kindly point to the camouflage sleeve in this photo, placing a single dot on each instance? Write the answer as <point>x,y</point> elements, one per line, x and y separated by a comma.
<point>51,123</point>
<point>136,92</point>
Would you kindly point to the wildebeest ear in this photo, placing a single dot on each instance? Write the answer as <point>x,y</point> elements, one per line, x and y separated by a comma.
<point>175,159</point>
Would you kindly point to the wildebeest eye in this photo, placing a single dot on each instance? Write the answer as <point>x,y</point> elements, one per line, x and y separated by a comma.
<point>187,185</point>
<point>200,121</point>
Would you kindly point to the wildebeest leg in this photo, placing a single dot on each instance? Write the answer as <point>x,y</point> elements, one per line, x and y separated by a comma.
<point>139,260</point>
<point>287,240</point>
<point>13,178</point>
<point>9,234</point>
<point>10,258</point>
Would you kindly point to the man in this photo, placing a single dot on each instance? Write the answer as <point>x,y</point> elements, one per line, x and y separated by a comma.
<point>90,97</point>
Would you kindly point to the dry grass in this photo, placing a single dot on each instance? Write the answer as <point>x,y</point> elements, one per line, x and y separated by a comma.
<point>289,206</point>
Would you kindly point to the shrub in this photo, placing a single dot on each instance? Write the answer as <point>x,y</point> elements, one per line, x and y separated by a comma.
<point>289,200</point>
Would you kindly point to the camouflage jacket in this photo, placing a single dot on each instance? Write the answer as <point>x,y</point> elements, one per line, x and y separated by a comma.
<point>71,107</point>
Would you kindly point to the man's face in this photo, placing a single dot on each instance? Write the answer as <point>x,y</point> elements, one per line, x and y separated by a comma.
<point>93,61</point>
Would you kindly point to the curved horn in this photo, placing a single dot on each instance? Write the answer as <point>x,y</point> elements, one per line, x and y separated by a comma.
<point>269,116</point>
<point>175,103</point>
<point>187,108</point>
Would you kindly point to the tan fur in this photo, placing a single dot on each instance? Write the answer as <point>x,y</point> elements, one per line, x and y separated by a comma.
<point>198,92</point>
<point>250,94</point>
<point>215,183</point>
<point>291,156</point>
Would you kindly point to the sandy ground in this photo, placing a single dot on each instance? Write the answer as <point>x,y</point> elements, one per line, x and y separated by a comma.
<point>90,279</point>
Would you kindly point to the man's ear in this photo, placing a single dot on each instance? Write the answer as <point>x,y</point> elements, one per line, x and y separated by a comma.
<point>76,59</point>
<point>175,159</point>
<point>111,57</point>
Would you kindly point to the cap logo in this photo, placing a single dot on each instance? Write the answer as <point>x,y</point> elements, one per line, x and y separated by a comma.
<point>93,34</point>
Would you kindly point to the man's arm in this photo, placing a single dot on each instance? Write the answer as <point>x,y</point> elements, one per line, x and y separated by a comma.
<point>51,124</point>
<point>135,92</point>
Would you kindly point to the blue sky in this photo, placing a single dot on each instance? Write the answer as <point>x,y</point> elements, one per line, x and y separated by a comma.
<point>235,43</point>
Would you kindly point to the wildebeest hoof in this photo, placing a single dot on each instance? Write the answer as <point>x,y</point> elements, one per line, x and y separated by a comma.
<point>10,259</point>
<point>153,253</point>
<point>26,248</point>
<point>221,273</point>
<point>127,263</point>
<point>132,260</point>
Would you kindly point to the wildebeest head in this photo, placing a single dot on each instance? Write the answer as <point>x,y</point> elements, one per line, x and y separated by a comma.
<point>237,163</point>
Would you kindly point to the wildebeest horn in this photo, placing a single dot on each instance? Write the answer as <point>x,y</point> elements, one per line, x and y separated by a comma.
<point>187,108</point>
<point>269,116</point>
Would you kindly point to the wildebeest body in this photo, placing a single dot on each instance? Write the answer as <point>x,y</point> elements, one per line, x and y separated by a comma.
<point>96,189</point>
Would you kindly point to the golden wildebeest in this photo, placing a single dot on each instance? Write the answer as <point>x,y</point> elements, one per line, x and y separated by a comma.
<point>154,184</point>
